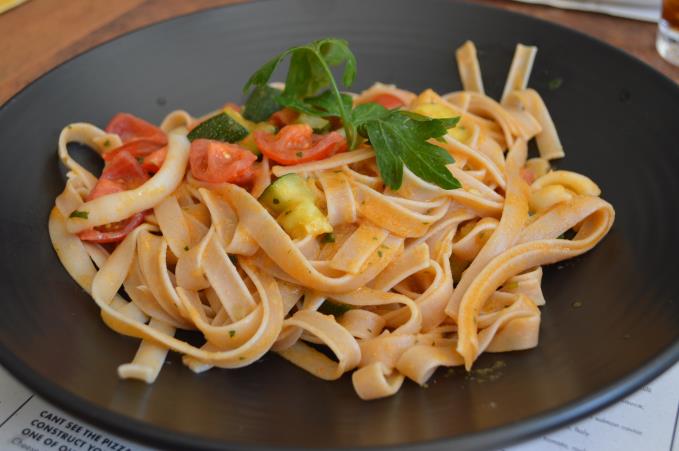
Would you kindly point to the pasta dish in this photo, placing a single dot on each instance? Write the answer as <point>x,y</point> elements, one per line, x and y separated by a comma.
<point>385,233</point>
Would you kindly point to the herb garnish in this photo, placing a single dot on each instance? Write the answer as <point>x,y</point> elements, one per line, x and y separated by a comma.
<point>261,104</point>
<point>555,83</point>
<point>79,214</point>
<point>328,238</point>
<point>309,72</point>
<point>398,137</point>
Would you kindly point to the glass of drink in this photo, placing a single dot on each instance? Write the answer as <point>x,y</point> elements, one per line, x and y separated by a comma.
<point>667,41</point>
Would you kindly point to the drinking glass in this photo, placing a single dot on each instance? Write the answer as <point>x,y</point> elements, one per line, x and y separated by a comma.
<point>667,41</point>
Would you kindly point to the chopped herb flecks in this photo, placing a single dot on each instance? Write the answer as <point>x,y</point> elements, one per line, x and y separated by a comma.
<point>79,214</point>
<point>555,83</point>
<point>328,238</point>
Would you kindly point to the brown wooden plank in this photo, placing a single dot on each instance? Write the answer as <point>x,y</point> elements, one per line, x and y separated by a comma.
<point>40,34</point>
<point>35,34</point>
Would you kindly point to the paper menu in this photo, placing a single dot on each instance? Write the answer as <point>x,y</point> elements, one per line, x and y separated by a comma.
<point>29,423</point>
<point>646,421</point>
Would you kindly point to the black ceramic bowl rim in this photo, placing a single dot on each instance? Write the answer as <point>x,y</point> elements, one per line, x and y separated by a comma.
<point>133,429</point>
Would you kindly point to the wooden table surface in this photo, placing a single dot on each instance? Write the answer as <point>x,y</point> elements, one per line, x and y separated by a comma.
<point>40,34</point>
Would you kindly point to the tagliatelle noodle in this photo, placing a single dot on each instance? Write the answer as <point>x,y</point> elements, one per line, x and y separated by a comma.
<point>468,65</point>
<point>119,206</point>
<point>547,139</point>
<point>410,280</point>
<point>520,70</point>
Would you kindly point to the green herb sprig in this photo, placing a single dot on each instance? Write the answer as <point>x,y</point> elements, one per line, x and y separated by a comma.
<point>309,72</point>
<point>398,137</point>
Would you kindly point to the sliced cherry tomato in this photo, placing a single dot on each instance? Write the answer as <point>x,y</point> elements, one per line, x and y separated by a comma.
<point>297,143</point>
<point>125,170</point>
<point>219,162</point>
<point>154,161</point>
<point>388,101</point>
<point>112,233</point>
<point>283,117</point>
<point>122,172</point>
<point>140,138</point>
<point>104,187</point>
<point>139,148</point>
<point>246,177</point>
<point>131,128</point>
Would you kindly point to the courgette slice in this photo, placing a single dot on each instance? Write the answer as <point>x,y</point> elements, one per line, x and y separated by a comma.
<point>318,124</point>
<point>262,104</point>
<point>220,127</point>
<point>286,192</point>
<point>291,201</point>
<point>304,219</point>
<point>236,116</point>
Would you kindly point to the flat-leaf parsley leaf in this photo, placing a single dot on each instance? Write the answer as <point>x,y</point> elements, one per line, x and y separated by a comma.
<point>398,137</point>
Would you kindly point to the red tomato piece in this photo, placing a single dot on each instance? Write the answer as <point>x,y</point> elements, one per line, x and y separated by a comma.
<point>131,128</point>
<point>283,117</point>
<point>112,233</point>
<point>122,172</point>
<point>104,187</point>
<point>246,177</point>
<point>388,101</point>
<point>219,162</point>
<point>138,148</point>
<point>154,161</point>
<point>297,143</point>
<point>125,170</point>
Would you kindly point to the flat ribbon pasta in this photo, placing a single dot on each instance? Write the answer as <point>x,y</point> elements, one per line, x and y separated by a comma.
<point>395,284</point>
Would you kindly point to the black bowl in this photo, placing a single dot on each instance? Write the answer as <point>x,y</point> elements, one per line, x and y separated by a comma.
<point>616,116</point>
